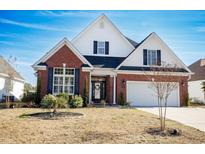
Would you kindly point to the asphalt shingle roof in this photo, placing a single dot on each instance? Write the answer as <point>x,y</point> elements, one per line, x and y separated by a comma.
<point>104,62</point>
<point>198,68</point>
<point>7,69</point>
<point>139,68</point>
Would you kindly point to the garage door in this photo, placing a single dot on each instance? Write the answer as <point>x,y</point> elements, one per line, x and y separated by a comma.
<point>141,94</point>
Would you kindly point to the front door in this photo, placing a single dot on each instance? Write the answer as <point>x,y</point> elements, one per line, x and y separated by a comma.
<point>98,91</point>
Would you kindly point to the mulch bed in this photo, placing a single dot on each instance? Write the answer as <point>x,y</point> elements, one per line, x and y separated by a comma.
<point>166,132</point>
<point>53,116</point>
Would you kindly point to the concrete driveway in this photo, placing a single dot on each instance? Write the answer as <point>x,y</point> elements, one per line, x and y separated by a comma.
<point>194,117</point>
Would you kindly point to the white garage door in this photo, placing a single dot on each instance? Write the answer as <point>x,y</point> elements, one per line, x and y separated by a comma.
<point>141,94</point>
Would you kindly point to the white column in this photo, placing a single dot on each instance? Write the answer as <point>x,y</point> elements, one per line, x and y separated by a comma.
<point>114,89</point>
<point>90,88</point>
<point>64,66</point>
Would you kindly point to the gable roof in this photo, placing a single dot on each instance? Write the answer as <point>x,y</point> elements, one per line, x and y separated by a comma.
<point>198,68</point>
<point>103,16</point>
<point>132,42</point>
<point>6,69</point>
<point>104,61</point>
<point>41,61</point>
<point>143,41</point>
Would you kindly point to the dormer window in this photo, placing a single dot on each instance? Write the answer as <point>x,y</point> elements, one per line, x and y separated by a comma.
<point>101,47</point>
<point>151,57</point>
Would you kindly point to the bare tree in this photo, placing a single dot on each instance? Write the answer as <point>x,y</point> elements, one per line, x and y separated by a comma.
<point>163,83</point>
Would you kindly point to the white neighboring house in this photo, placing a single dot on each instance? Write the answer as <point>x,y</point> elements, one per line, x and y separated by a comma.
<point>195,84</point>
<point>16,83</point>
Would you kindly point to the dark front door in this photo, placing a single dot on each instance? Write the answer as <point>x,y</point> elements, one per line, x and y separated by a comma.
<point>98,91</point>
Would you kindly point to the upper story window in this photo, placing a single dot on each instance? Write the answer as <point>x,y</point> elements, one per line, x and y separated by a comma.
<point>63,80</point>
<point>151,57</point>
<point>101,47</point>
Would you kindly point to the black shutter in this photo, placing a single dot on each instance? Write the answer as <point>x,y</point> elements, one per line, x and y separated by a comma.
<point>50,80</point>
<point>159,57</point>
<point>107,48</point>
<point>95,43</point>
<point>145,56</point>
<point>77,81</point>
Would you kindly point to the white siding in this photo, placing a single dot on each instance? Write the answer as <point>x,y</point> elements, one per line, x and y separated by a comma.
<point>2,88</point>
<point>118,47</point>
<point>18,87</point>
<point>195,90</point>
<point>152,43</point>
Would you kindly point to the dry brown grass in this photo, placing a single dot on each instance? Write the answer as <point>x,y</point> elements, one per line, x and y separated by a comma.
<point>99,125</point>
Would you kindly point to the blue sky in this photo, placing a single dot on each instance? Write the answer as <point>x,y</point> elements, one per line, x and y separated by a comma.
<point>28,35</point>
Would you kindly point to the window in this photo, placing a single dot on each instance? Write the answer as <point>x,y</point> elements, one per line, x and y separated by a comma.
<point>101,47</point>
<point>151,57</point>
<point>63,81</point>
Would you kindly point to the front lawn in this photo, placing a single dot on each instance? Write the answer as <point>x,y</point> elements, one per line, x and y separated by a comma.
<point>98,125</point>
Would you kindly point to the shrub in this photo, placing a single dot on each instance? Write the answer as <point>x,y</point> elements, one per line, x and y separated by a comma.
<point>76,101</point>
<point>49,101</point>
<point>187,101</point>
<point>121,99</point>
<point>103,102</point>
<point>64,95</point>
<point>85,98</point>
<point>62,102</point>
<point>38,92</point>
<point>29,97</point>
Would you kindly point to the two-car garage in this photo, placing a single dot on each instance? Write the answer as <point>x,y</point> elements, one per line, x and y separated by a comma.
<point>140,93</point>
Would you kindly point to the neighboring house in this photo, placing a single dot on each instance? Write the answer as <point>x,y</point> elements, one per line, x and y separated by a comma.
<point>195,84</point>
<point>11,82</point>
<point>103,61</point>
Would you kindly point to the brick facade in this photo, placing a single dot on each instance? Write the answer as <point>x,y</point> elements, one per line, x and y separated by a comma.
<point>64,55</point>
<point>109,89</point>
<point>122,78</point>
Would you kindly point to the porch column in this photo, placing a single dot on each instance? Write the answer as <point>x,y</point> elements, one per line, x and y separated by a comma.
<point>90,88</point>
<point>114,89</point>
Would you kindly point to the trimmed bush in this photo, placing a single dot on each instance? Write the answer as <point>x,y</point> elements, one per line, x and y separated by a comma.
<point>62,102</point>
<point>85,98</point>
<point>64,95</point>
<point>49,101</point>
<point>121,99</point>
<point>76,102</point>
<point>103,103</point>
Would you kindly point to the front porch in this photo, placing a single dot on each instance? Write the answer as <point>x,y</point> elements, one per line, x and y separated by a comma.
<point>102,87</point>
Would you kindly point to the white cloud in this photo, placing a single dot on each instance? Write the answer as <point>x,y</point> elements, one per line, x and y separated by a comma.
<point>33,26</point>
<point>67,13</point>
<point>77,13</point>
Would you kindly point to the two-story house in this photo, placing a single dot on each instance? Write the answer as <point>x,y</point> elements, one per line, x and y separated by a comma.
<point>101,60</point>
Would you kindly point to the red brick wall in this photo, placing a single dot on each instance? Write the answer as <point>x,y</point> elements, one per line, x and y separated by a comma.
<point>130,77</point>
<point>64,55</point>
<point>109,89</point>
<point>43,75</point>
